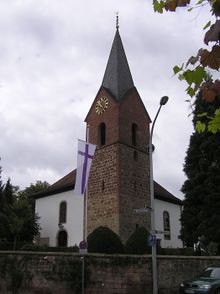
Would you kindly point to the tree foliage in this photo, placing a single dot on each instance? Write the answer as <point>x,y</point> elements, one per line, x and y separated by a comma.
<point>1,184</point>
<point>195,71</point>
<point>29,192</point>
<point>104,240</point>
<point>18,222</point>
<point>201,206</point>
<point>23,222</point>
<point>33,189</point>
<point>3,217</point>
<point>7,199</point>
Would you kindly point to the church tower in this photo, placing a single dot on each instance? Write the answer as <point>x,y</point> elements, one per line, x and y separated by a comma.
<point>119,125</point>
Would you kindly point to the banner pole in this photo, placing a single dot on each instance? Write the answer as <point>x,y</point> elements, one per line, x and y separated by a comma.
<point>86,194</point>
<point>85,221</point>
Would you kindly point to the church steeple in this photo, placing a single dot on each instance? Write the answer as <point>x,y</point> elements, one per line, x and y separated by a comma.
<point>117,78</point>
<point>119,126</point>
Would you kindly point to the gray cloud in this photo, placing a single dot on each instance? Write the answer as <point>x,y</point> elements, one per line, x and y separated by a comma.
<point>53,56</point>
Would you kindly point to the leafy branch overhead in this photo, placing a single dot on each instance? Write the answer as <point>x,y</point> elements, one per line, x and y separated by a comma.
<point>197,70</point>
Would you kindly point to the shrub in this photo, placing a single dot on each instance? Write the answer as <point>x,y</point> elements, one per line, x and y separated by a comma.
<point>138,242</point>
<point>104,240</point>
<point>45,248</point>
<point>188,251</point>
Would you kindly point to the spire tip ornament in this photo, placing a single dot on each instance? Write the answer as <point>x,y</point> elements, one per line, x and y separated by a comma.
<point>117,20</point>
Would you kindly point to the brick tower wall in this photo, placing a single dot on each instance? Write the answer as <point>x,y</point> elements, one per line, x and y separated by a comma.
<point>133,164</point>
<point>103,201</point>
<point>119,177</point>
<point>134,190</point>
<point>103,204</point>
<point>132,111</point>
<point>110,117</point>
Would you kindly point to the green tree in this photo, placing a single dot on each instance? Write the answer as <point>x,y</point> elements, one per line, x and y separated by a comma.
<point>28,192</point>
<point>1,190</point>
<point>195,71</point>
<point>23,223</point>
<point>9,193</point>
<point>1,184</point>
<point>8,198</point>
<point>18,221</point>
<point>201,206</point>
<point>3,217</point>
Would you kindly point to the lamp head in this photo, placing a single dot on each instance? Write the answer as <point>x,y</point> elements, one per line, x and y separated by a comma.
<point>164,100</point>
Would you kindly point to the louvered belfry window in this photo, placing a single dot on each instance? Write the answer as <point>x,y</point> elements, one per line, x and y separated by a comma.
<point>102,134</point>
<point>134,134</point>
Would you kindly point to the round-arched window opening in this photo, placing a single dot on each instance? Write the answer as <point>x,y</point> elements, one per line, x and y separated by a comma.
<point>62,239</point>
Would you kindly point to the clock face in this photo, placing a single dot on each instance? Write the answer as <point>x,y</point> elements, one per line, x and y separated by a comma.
<point>101,105</point>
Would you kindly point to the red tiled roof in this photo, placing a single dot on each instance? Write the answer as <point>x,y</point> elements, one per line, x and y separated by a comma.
<point>64,184</point>
<point>161,193</point>
<point>68,182</point>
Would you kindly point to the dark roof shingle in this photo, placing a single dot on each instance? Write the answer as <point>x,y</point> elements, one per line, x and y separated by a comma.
<point>67,183</point>
<point>117,78</point>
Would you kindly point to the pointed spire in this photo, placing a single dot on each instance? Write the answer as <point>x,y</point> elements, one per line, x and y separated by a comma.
<point>117,78</point>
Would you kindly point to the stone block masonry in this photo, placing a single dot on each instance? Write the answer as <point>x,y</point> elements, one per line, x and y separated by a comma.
<point>119,176</point>
<point>60,273</point>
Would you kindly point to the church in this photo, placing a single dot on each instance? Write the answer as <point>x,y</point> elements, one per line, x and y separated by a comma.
<point>119,181</point>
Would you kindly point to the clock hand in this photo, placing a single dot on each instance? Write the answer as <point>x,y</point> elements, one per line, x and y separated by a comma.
<point>99,103</point>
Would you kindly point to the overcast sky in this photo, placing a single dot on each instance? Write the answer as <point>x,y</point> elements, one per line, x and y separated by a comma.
<point>53,57</point>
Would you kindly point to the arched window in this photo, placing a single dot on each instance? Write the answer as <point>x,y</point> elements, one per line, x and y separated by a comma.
<point>134,134</point>
<point>166,225</point>
<point>102,134</point>
<point>62,239</point>
<point>62,212</point>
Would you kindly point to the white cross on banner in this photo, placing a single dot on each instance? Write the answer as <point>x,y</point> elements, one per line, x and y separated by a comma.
<point>84,159</point>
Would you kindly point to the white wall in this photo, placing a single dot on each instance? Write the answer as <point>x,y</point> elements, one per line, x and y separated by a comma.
<point>47,209</point>
<point>174,211</point>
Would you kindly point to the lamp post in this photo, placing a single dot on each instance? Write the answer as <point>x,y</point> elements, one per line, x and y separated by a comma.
<point>163,101</point>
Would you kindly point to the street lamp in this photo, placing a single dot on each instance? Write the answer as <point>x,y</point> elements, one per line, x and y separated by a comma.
<point>163,101</point>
